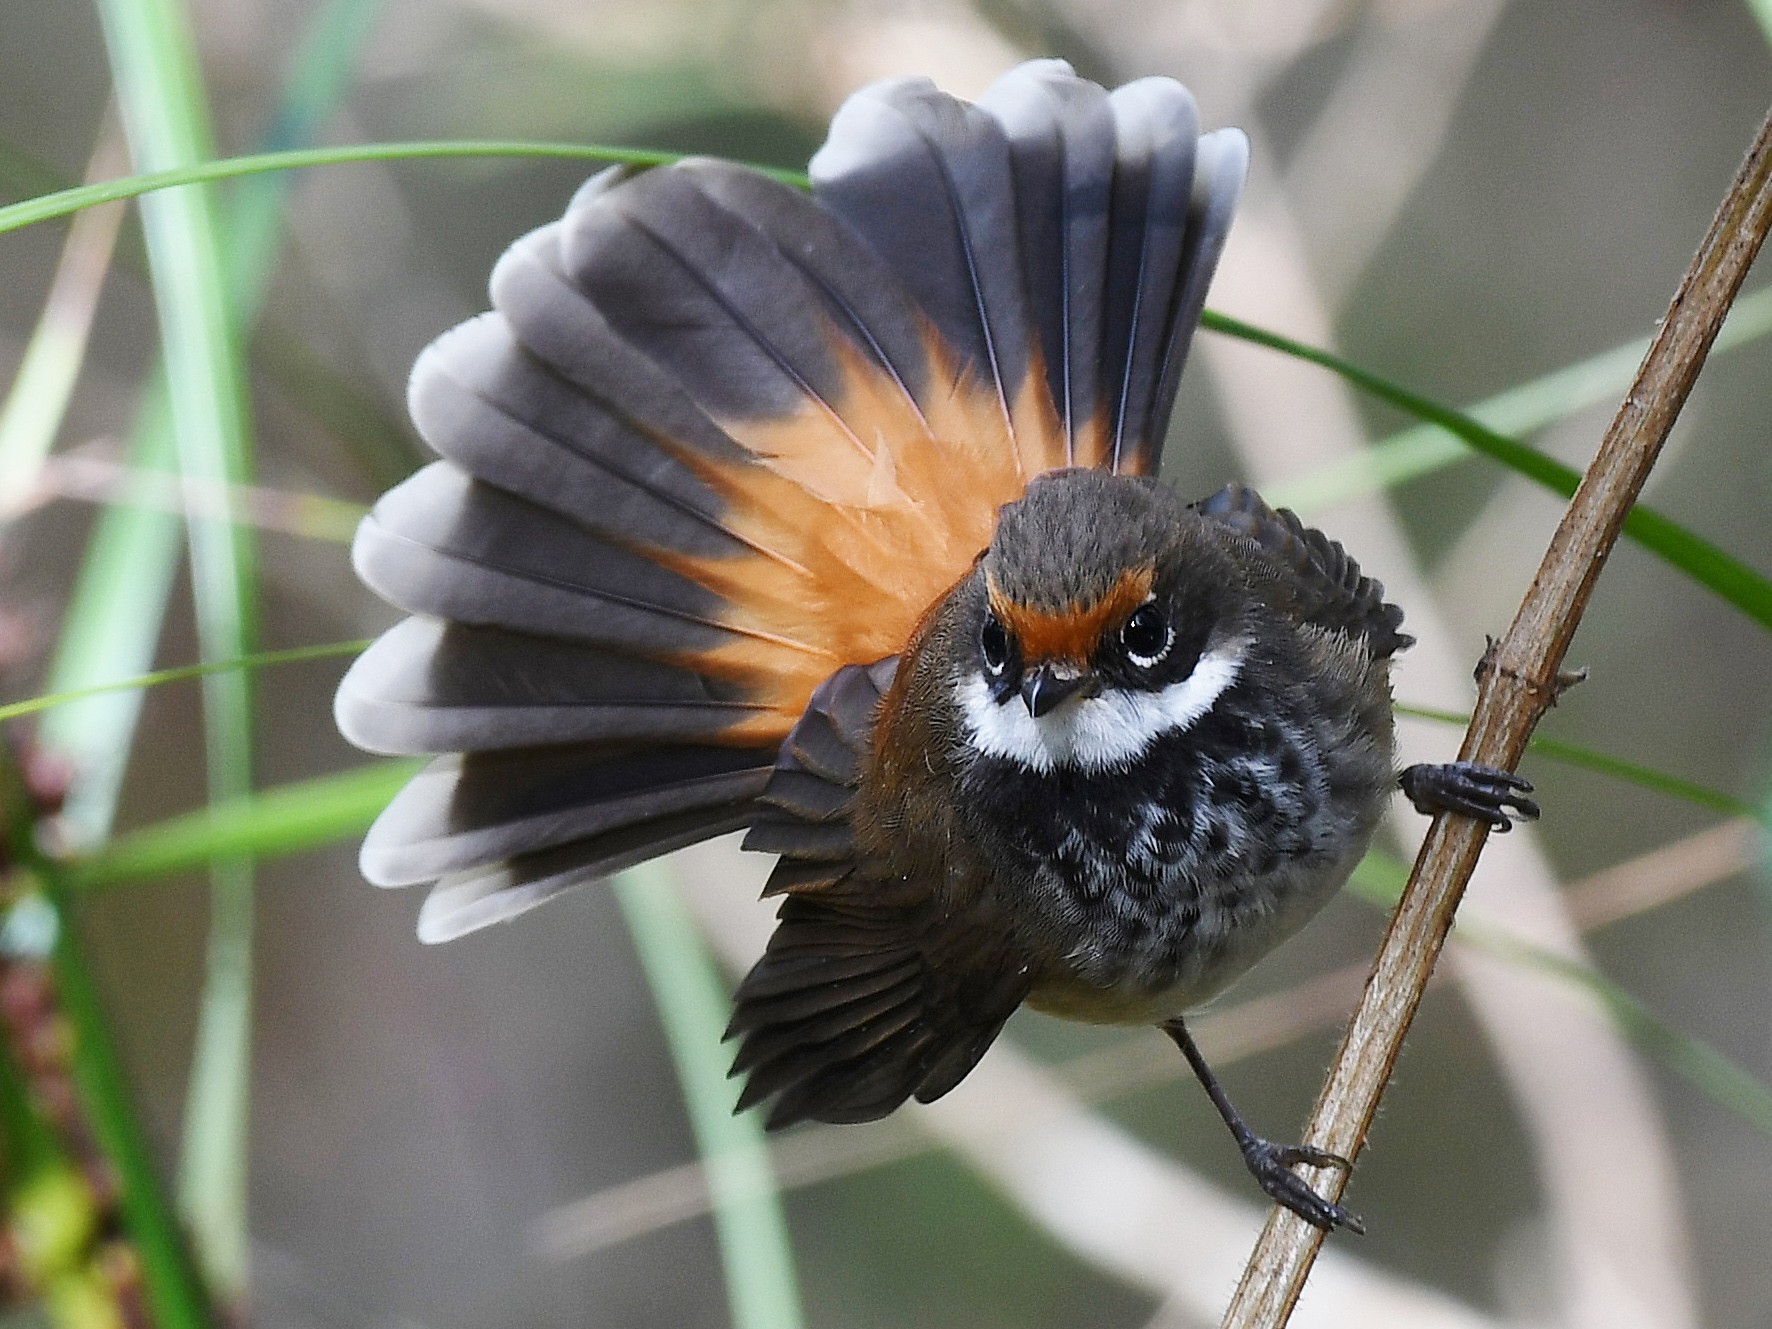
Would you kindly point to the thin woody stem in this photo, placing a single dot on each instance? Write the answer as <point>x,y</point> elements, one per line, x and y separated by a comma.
<point>1518,683</point>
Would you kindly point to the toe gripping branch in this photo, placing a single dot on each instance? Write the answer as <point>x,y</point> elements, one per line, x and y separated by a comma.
<point>1475,791</point>
<point>1271,1164</point>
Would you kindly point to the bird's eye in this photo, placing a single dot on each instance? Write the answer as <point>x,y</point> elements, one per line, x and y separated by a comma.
<point>994,642</point>
<point>1146,636</point>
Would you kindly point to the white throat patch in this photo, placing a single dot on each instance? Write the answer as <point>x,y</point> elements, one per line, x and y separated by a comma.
<point>1095,733</point>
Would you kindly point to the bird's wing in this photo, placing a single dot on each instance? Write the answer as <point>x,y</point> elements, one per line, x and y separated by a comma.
<point>718,439</point>
<point>869,992</point>
<point>1320,578</point>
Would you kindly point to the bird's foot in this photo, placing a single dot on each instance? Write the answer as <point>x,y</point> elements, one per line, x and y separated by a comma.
<point>1271,1164</point>
<point>1475,791</point>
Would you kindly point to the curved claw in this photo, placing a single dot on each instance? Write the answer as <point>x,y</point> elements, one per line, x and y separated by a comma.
<point>1290,1155</point>
<point>1481,792</point>
<point>1270,1164</point>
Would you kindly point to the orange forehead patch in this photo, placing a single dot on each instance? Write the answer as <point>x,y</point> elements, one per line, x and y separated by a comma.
<point>1072,632</point>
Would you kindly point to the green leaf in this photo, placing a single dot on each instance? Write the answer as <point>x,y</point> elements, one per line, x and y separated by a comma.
<point>174,1291</point>
<point>202,300</point>
<point>110,631</point>
<point>1704,562</point>
<point>288,819</point>
<point>1762,12</point>
<point>1723,1081</point>
<point>165,113</point>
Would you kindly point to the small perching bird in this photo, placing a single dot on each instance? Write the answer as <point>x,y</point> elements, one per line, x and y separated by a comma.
<point>835,517</point>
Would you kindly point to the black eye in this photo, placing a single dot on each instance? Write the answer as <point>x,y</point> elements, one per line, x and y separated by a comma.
<point>1146,636</point>
<point>994,642</point>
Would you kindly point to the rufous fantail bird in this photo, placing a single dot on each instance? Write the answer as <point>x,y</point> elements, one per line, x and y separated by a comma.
<point>834,516</point>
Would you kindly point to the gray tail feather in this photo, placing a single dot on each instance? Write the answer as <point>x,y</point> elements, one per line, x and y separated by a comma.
<point>1119,209</point>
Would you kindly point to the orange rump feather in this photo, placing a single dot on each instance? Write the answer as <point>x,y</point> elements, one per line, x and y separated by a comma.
<point>862,508</point>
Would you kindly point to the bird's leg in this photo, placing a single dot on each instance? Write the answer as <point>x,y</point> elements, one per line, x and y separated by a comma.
<point>1475,791</point>
<point>1270,1163</point>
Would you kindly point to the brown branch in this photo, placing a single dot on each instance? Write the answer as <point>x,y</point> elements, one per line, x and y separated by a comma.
<point>1518,684</point>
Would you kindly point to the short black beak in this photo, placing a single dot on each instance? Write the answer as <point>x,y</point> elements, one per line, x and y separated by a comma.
<point>1044,689</point>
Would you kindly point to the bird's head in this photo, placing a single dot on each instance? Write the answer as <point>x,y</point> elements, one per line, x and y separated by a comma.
<point>1104,615</point>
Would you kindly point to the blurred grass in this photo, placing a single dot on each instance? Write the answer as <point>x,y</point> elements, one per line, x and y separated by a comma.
<point>1696,557</point>
<point>1693,555</point>
<point>1630,772</point>
<point>175,1292</point>
<point>37,402</point>
<point>114,619</point>
<point>165,113</point>
<point>179,674</point>
<point>1523,409</point>
<point>1762,12</point>
<point>47,207</point>
<point>693,1005</point>
<point>1379,880</point>
<point>289,819</point>
<point>311,813</point>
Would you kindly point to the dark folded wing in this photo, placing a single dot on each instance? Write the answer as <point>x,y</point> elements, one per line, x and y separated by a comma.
<point>1321,579</point>
<point>868,992</point>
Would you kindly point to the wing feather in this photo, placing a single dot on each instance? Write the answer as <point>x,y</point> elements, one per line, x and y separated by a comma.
<point>1320,579</point>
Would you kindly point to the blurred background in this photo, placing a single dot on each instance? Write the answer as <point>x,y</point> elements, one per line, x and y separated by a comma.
<point>1461,195</point>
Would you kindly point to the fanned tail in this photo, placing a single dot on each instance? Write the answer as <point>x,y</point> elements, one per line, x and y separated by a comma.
<point>718,440</point>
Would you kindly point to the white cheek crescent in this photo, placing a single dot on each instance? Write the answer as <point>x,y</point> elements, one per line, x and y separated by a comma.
<point>1095,733</point>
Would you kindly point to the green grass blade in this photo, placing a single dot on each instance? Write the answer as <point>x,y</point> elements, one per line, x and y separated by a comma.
<point>1712,567</point>
<point>1571,754</point>
<point>175,1293</point>
<point>182,673</point>
<point>112,626</point>
<point>114,617</point>
<point>165,113</point>
<point>1720,1079</point>
<point>190,841</point>
<point>288,819</point>
<point>46,207</point>
<point>693,1005</point>
<point>1729,578</point>
<point>1423,449</point>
